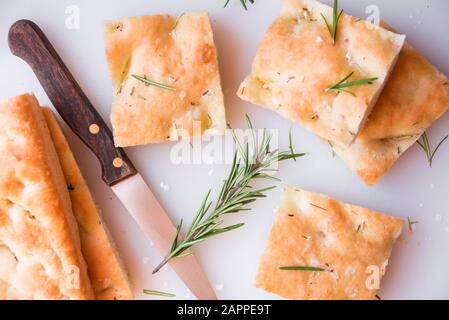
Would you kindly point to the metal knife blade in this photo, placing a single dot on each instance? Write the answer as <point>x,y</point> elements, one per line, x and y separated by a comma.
<point>138,199</point>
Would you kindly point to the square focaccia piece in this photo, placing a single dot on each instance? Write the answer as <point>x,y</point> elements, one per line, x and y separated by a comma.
<point>349,245</point>
<point>178,56</point>
<point>297,62</point>
<point>416,95</point>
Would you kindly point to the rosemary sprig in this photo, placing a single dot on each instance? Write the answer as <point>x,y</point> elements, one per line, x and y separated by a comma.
<point>159,293</point>
<point>341,85</point>
<point>301,268</point>
<point>335,18</point>
<point>424,143</point>
<point>152,83</point>
<point>251,161</point>
<point>243,2</point>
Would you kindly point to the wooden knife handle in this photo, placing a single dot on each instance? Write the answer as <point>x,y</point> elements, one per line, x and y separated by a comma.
<point>27,41</point>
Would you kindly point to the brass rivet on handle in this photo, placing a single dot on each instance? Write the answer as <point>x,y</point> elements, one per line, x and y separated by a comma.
<point>94,128</point>
<point>117,162</point>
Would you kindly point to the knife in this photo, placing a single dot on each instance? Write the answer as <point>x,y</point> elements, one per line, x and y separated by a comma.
<point>27,41</point>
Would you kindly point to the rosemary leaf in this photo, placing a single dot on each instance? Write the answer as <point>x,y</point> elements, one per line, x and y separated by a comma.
<point>290,144</point>
<point>178,19</point>
<point>153,83</point>
<point>424,143</point>
<point>358,82</point>
<point>341,85</point>
<point>159,293</point>
<point>411,223</point>
<point>243,2</point>
<point>178,231</point>
<point>332,148</point>
<point>252,160</point>
<point>318,207</point>
<point>395,139</point>
<point>335,19</point>
<point>301,268</point>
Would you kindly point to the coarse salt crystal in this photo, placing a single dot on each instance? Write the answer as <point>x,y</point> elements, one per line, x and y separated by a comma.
<point>297,30</point>
<point>350,270</point>
<point>182,95</point>
<point>219,287</point>
<point>164,186</point>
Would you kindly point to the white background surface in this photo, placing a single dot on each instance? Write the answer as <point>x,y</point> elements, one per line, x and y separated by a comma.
<point>418,268</point>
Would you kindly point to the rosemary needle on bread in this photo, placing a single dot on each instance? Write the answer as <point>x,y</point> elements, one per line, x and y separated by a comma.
<point>335,18</point>
<point>152,83</point>
<point>342,85</point>
<point>301,268</point>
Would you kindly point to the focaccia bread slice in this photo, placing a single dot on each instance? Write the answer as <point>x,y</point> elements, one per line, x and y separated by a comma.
<point>40,252</point>
<point>350,244</point>
<point>416,95</point>
<point>297,62</point>
<point>104,265</point>
<point>178,52</point>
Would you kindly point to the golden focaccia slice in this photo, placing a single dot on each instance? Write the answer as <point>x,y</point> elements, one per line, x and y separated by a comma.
<point>106,270</point>
<point>40,252</point>
<point>416,95</point>
<point>177,52</point>
<point>350,244</point>
<point>297,62</point>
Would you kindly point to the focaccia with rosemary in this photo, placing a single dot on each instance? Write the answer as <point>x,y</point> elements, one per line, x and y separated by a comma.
<point>297,62</point>
<point>416,95</point>
<point>179,54</point>
<point>104,265</point>
<point>351,246</point>
<point>40,251</point>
